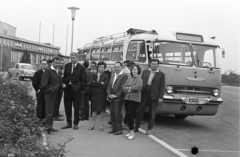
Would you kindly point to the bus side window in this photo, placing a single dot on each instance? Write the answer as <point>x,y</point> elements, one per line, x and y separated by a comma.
<point>136,51</point>
<point>117,54</point>
<point>105,54</point>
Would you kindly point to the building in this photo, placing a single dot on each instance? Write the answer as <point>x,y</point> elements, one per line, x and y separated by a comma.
<point>13,48</point>
<point>7,29</point>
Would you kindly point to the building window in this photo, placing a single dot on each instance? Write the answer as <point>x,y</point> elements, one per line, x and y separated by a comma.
<point>20,54</point>
<point>34,58</point>
<point>14,56</point>
<point>4,41</point>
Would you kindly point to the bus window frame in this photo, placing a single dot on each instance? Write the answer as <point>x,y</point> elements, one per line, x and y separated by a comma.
<point>215,55</point>
<point>94,50</point>
<point>189,44</point>
<point>86,50</point>
<point>119,48</point>
<point>145,49</point>
<point>101,53</point>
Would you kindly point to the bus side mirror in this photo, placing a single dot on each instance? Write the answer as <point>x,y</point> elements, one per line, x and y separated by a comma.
<point>223,53</point>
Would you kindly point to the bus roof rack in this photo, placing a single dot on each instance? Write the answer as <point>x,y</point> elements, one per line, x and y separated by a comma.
<point>133,31</point>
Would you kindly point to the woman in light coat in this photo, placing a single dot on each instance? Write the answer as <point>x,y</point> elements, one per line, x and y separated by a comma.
<point>132,90</point>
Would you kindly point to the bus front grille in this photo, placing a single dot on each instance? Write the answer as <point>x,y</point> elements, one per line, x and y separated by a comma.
<point>193,90</point>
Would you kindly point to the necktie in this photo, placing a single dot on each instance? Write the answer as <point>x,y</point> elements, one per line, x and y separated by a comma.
<point>73,66</point>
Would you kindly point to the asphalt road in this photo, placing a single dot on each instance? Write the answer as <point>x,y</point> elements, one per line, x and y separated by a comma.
<point>214,136</point>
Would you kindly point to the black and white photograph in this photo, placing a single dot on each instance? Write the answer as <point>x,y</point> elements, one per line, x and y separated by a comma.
<point>119,78</point>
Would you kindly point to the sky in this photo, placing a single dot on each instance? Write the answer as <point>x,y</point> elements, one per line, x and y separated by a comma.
<point>96,18</point>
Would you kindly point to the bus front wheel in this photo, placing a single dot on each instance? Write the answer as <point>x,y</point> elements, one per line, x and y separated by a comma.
<point>180,116</point>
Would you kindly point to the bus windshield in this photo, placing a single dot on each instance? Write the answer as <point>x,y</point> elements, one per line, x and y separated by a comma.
<point>172,53</point>
<point>205,56</point>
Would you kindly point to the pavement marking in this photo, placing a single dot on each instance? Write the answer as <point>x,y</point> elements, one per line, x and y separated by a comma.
<point>222,151</point>
<point>164,144</point>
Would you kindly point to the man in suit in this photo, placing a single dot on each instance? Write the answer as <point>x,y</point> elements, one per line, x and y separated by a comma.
<point>57,114</point>
<point>116,98</point>
<point>74,80</point>
<point>152,94</point>
<point>36,83</point>
<point>51,84</point>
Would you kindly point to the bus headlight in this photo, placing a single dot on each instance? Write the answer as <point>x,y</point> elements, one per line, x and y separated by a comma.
<point>169,89</point>
<point>215,92</point>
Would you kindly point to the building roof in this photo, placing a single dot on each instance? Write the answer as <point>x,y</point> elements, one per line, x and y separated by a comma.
<point>8,24</point>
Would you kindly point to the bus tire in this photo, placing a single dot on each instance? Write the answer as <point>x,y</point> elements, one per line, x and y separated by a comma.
<point>180,116</point>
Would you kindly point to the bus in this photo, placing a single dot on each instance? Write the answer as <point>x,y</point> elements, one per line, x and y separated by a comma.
<point>189,61</point>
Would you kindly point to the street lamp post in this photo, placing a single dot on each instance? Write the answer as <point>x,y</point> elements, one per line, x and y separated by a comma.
<point>73,10</point>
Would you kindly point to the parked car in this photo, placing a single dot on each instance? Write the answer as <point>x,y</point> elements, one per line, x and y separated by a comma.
<point>21,70</point>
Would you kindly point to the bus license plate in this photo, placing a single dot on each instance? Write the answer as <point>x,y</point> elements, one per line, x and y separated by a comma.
<point>191,100</point>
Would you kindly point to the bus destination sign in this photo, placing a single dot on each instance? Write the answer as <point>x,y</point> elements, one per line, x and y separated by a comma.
<point>189,37</point>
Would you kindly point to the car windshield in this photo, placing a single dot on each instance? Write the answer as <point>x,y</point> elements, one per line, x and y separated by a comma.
<point>27,67</point>
<point>172,53</point>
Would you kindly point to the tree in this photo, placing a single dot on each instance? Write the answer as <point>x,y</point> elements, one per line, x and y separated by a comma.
<point>25,57</point>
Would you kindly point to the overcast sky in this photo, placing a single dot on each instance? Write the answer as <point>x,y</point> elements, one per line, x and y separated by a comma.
<point>219,18</point>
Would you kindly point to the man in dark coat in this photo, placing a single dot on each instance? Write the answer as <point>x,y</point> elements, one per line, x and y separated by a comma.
<point>84,105</point>
<point>74,80</point>
<point>152,94</point>
<point>116,98</point>
<point>57,114</point>
<point>51,84</point>
<point>36,83</point>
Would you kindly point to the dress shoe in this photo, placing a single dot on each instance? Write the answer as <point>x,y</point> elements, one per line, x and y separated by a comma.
<point>75,127</point>
<point>53,130</point>
<point>67,126</point>
<point>131,137</point>
<point>81,119</point>
<point>57,119</point>
<point>101,128</point>
<point>148,132</point>
<point>109,123</point>
<point>136,130</point>
<point>112,131</point>
<point>117,133</point>
<point>59,115</point>
<point>86,118</point>
<point>91,128</point>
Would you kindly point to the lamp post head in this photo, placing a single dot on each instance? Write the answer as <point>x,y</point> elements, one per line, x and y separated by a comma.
<point>73,10</point>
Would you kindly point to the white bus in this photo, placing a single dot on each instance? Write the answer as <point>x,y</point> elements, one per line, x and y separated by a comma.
<point>189,61</point>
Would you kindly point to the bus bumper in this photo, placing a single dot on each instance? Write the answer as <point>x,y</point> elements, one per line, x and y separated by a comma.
<point>182,106</point>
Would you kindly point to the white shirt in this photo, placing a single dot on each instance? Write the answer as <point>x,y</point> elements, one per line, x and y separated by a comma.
<point>54,69</point>
<point>152,73</point>
<point>73,69</point>
<point>115,77</point>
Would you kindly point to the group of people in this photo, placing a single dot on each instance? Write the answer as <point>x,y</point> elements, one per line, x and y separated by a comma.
<point>128,91</point>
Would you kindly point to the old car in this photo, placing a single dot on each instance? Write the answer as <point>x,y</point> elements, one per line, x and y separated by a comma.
<point>21,71</point>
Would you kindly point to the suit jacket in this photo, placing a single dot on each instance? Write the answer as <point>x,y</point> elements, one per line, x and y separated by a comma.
<point>78,78</point>
<point>51,81</point>
<point>157,85</point>
<point>36,81</point>
<point>117,87</point>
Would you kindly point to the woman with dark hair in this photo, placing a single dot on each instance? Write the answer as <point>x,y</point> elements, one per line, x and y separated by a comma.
<point>99,94</point>
<point>132,88</point>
